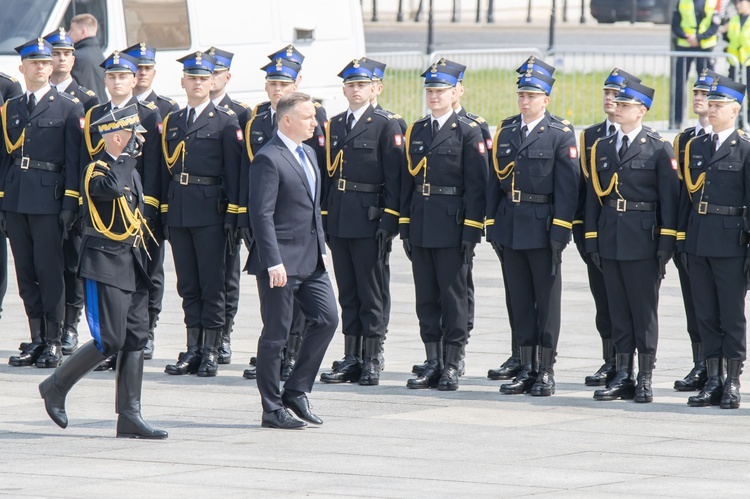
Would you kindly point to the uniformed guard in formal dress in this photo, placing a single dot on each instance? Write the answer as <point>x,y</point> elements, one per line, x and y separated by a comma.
<point>39,181</point>
<point>531,203</point>
<point>281,79</point>
<point>201,147</point>
<point>114,269</point>
<point>220,98</point>
<point>360,203</point>
<point>588,136</point>
<point>143,91</point>
<point>62,64</point>
<point>714,225</point>
<point>630,232</point>
<point>119,79</point>
<point>696,378</point>
<point>441,221</point>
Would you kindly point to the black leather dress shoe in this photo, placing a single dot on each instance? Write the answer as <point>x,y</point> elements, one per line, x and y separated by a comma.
<point>250,373</point>
<point>282,420</point>
<point>300,405</point>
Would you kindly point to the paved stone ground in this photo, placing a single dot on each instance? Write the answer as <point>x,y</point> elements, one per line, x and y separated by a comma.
<point>385,441</point>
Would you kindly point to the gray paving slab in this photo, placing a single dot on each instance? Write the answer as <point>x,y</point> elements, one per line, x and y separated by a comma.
<point>384,441</point>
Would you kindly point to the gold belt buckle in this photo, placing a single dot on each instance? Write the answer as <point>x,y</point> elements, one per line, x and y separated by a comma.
<point>342,184</point>
<point>25,160</point>
<point>425,189</point>
<point>137,241</point>
<point>622,205</point>
<point>184,178</point>
<point>703,207</point>
<point>516,196</point>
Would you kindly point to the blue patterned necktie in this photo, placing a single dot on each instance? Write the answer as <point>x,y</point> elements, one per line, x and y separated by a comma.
<point>308,169</point>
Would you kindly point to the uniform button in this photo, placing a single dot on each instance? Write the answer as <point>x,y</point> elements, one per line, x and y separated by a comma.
<point>708,182</point>
<point>621,168</point>
<point>429,153</point>
<point>28,124</point>
<point>345,147</point>
<point>312,231</point>
<point>709,168</point>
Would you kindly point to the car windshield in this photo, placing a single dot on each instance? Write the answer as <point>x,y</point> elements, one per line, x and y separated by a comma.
<point>22,20</point>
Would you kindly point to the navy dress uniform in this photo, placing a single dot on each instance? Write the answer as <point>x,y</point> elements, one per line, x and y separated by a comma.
<point>531,203</point>
<point>61,41</point>
<point>697,377</point>
<point>261,128</point>
<point>441,221</point>
<point>602,320</point>
<point>9,87</point>
<point>114,269</point>
<point>361,191</point>
<point>232,282</point>
<point>200,192</point>
<point>713,220</point>
<point>39,189</point>
<point>631,227</point>
<point>146,55</point>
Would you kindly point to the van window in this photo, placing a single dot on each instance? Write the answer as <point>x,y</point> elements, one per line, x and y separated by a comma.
<point>97,8</point>
<point>21,21</point>
<point>161,23</point>
<point>229,28</point>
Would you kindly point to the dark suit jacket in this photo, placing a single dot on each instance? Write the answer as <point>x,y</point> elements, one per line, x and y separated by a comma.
<point>86,70</point>
<point>9,87</point>
<point>284,217</point>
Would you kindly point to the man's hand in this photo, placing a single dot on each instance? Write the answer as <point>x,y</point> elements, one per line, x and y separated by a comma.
<point>134,147</point>
<point>66,218</point>
<point>467,249</point>
<point>692,40</point>
<point>407,248</point>
<point>277,277</point>
<point>382,236</point>
<point>596,260</point>
<point>664,257</point>
<point>231,232</point>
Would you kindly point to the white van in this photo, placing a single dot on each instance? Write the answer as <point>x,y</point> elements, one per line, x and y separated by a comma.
<point>329,33</point>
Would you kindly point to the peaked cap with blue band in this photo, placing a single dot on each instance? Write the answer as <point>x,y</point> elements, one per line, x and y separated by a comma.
<point>724,89</point>
<point>59,39</point>
<point>437,76</point>
<point>635,93</point>
<point>537,65</point>
<point>223,58</point>
<point>460,67</point>
<point>37,49</point>
<point>535,82</point>
<point>617,77</point>
<point>705,79</point>
<point>377,67</point>
<point>145,53</point>
<point>355,71</point>
<point>281,70</point>
<point>120,62</point>
<point>198,64</point>
<point>288,52</point>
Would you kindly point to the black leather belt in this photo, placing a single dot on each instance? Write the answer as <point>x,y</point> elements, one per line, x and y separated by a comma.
<point>624,205</point>
<point>704,208</point>
<point>430,189</point>
<point>26,163</point>
<point>130,240</point>
<point>187,178</point>
<point>518,196</point>
<point>348,185</point>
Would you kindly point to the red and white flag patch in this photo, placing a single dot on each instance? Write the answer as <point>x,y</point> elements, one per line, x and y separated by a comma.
<point>322,140</point>
<point>397,139</point>
<point>674,164</point>
<point>160,127</point>
<point>82,122</point>
<point>573,152</point>
<point>489,144</point>
<point>239,135</point>
<point>481,147</point>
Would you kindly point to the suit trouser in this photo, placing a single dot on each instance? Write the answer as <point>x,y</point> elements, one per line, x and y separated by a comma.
<point>440,289</point>
<point>117,319</point>
<point>687,300</point>
<point>315,296</point>
<point>601,303</point>
<point>633,292</point>
<point>359,277</point>
<point>718,286</point>
<point>232,282</point>
<point>155,268</point>
<point>199,263</point>
<point>3,268</point>
<point>73,285</point>
<point>36,242</point>
<point>534,296</point>
<point>387,287</point>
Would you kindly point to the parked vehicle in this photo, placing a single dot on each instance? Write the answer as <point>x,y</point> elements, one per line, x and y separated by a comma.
<point>656,11</point>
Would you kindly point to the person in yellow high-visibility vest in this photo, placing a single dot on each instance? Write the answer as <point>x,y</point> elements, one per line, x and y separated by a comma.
<point>738,38</point>
<point>695,26</point>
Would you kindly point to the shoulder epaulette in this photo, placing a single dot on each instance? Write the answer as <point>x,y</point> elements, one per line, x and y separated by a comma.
<point>70,97</point>
<point>86,91</point>
<point>423,118</point>
<point>382,112</point>
<point>8,77</point>
<point>687,130</point>
<point>655,136</point>
<point>559,119</point>
<point>317,104</point>
<point>241,104</point>
<point>99,162</point>
<point>171,101</point>
<point>225,110</point>
<point>148,104</point>
<point>596,126</point>
<point>560,126</point>
<point>259,108</point>
<point>475,117</point>
<point>467,121</point>
<point>510,120</point>
<point>743,135</point>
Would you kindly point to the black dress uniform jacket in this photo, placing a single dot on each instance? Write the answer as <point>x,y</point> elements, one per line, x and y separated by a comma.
<point>209,148</point>
<point>148,164</point>
<point>371,154</point>
<point>9,87</point>
<point>87,97</point>
<point>116,263</point>
<point>165,104</point>
<point>241,109</point>
<point>646,174</point>
<point>726,184</point>
<point>455,159</point>
<point>544,167</point>
<point>52,135</point>
<point>586,142</point>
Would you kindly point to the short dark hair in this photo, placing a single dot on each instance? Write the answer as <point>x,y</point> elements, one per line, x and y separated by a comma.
<point>290,101</point>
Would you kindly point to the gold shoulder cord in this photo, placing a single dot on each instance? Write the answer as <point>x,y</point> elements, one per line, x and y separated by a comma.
<point>93,151</point>
<point>179,151</point>
<point>584,159</point>
<point>595,177</point>
<point>10,147</point>
<point>338,160</point>
<point>248,144</point>
<point>133,220</point>
<point>505,172</point>
<point>422,163</point>
<point>692,187</point>
<point>676,148</point>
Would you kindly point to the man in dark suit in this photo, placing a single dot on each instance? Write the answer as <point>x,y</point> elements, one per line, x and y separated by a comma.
<point>86,70</point>
<point>113,267</point>
<point>288,258</point>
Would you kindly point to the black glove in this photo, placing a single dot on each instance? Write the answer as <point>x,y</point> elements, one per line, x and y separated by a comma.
<point>134,147</point>
<point>246,235</point>
<point>382,236</point>
<point>557,248</point>
<point>407,248</point>
<point>231,232</point>
<point>164,227</point>
<point>3,224</point>
<point>498,249</point>
<point>596,260</point>
<point>467,248</point>
<point>664,257</point>
<point>684,259</point>
<point>66,218</point>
